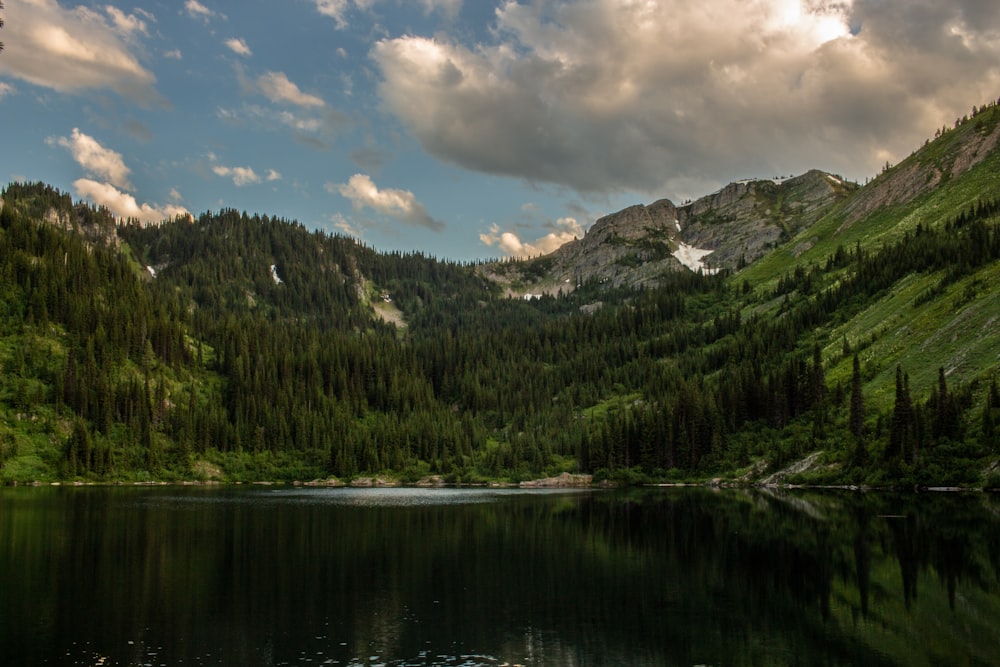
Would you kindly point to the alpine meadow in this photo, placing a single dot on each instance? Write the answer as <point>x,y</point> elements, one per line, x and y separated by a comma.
<point>803,330</point>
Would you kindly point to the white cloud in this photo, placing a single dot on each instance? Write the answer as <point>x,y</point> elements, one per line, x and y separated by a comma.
<point>95,158</point>
<point>241,175</point>
<point>173,54</point>
<point>567,229</point>
<point>6,89</point>
<point>273,175</point>
<point>71,50</point>
<point>609,95</point>
<point>345,226</point>
<point>124,205</point>
<point>238,46</point>
<point>126,24</point>
<point>196,10</point>
<point>277,88</point>
<point>400,205</point>
<point>335,9</point>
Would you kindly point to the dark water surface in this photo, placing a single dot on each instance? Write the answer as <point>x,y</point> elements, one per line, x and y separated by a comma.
<point>264,576</point>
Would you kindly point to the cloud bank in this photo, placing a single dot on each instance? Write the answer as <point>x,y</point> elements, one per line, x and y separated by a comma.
<point>566,230</point>
<point>72,50</point>
<point>612,95</point>
<point>107,164</point>
<point>124,205</point>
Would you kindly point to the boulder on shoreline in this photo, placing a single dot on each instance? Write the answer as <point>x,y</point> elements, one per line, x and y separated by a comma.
<point>373,481</point>
<point>565,480</point>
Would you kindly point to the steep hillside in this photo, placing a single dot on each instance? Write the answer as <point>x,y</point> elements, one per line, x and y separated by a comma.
<point>937,315</point>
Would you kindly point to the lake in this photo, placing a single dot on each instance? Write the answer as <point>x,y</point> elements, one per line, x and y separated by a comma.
<point>304,576</point>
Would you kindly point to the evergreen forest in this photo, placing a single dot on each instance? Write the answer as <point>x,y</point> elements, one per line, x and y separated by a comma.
<point>245,347</point>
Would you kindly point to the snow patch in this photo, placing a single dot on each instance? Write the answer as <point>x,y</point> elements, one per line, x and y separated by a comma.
<point>690,257</point>
<point>274,275</point>
<point>677,223</point>
<point>834,179</point>
<point>152,271</point>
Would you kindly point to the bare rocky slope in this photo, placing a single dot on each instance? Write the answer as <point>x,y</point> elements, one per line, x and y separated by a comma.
<point>637,245</point>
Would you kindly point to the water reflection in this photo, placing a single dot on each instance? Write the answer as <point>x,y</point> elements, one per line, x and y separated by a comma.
<point>425,577</point>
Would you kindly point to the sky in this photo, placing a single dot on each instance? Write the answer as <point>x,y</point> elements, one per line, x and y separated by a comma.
<point>471,129</point>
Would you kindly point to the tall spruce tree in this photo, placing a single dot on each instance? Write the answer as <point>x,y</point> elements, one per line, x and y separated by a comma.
<point>901,441</point>
<point>857,420</point>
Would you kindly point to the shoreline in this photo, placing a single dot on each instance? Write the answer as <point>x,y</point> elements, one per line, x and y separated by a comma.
<point>559,482</point>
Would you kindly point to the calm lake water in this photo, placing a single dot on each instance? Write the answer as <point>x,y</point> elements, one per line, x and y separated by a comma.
<point>291,576</point>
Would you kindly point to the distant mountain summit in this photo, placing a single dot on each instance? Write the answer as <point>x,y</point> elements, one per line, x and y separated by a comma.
<point>635,246</point>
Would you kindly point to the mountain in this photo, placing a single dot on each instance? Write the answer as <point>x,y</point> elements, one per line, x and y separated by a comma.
<point>725,230</point>
<point>831,333</point>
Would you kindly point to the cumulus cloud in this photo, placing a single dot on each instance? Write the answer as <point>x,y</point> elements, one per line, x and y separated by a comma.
<point>273,175</point>
<point>107,164</point>
<point>400,205</point>
<point>124,205</point>
<point>72,50</point>
<point>95,158</point>
<point>566,230</point>
<point>609,95</point>
<point>5,89</point>
<point>241,175</point>
<point>238,46</point>
<point>276,87</point>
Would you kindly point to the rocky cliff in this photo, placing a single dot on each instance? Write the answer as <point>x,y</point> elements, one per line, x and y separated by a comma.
<point>636,245</point>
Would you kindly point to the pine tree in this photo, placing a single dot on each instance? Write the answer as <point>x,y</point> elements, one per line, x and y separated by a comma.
<point>902,427</point>
<point>991,411</point>
<point>857,421</point>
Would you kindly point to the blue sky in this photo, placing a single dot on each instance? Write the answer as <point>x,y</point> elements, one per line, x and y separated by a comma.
<point>471,129</point>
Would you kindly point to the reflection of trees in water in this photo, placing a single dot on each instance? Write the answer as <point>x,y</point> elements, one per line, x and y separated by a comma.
<point>639,577</point>
<point>779,563</point>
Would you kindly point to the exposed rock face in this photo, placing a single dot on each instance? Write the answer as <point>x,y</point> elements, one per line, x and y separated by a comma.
<point>627,247</point>
<point>745,220</point>
<point>565,480</point>
<point>637,245</point>
<point>92,227</point>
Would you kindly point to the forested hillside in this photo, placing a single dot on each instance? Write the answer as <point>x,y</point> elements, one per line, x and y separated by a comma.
<point>246,347</point>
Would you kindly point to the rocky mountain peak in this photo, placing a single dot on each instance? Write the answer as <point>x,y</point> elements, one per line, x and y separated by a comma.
<point>635,246</point>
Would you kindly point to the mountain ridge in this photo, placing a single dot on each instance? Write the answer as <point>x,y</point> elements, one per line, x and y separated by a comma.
<point>729,228</point>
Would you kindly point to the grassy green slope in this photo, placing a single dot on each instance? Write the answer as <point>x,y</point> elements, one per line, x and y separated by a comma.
<point>921,323</point>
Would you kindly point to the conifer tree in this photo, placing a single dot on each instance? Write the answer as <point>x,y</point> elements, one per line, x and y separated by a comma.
<point>857,419</point>
<point>902,427</point>
<point>990,428</point>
